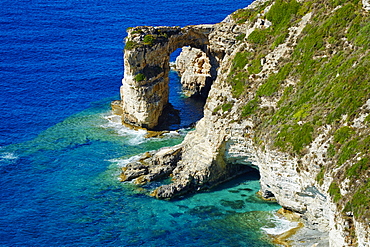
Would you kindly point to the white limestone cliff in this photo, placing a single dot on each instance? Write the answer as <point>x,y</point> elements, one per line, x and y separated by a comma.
<point>224,143</point>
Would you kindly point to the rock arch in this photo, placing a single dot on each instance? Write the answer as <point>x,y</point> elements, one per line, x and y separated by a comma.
<point>144,90</point>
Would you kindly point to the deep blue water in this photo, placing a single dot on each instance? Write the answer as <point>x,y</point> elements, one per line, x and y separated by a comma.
<point>60,66</point>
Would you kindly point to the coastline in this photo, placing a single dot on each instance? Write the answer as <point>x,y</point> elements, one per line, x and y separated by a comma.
<point>299,234</point>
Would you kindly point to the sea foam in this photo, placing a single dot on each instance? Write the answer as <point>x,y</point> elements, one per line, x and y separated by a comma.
<point>281,225</point>
<point>113,122</point>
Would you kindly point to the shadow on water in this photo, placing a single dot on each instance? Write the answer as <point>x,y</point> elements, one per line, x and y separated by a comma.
<point>182,111</point>
<point>238,186</point>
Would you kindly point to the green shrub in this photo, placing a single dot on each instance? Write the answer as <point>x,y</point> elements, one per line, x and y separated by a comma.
<point>359,203</point>
<point>130,45</point>
<point>250,107</point>
<point>362,38</point>
<point>367,119</point>
<point>269,87</point>
<point>227,106</point>
<point>302,113</point>
<point>137,31</point>
<point>148,39</point>
<point>242,15</point>
<point>320,176</point>
<point>279,40</point>
<point>342,134</point>
<point>238,81</point>
<point>334,191</point>
<point>295,136</point>
<point>259,37</point>
<point>240,37</point>
<point>331,151</point>
<point>347,151</point>
<point>139,77</point>
<point>255,66</point>
<point>281,14</point>
<point>240,60</point>
<point>272,84</point>
<point>358,168</point>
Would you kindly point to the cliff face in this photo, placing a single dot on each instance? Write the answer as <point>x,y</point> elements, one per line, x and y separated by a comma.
<point>291,98</point>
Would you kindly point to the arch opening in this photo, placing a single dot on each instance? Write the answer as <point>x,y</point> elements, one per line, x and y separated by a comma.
<point>183,110</point>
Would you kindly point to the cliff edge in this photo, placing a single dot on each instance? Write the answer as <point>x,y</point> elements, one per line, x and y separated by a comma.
<point>290,96</point>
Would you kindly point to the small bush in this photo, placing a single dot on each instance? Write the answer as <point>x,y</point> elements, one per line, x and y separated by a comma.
<point>281,13</point>
<point>272,84</point>
<point>297,136</point>
<point>259,37</point>
<point>250,107</point>
<point>348,151</point>
<point>149,39</point>
<point>130,45</point>
<point>227,106</point>
<point>255,66</point>
<point>140,77</point>
<point>334,191</point>
<point>302,113</point>
<point>269,87</point>
<point>360,202</point>
<point>279,40</point>
<point>342,134</point>
<point>240,37</point>
<point>358,168</point>
<point>243,15</point>
<point>238,82</point>
<point>240,60</point>
<point>320,176</point>
<point>331,151</point>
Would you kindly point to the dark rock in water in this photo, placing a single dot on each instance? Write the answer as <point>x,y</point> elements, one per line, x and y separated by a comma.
<point>238,204</point>
<point>176,215</point>
<point>205,211</point>
<point>234,191</point>
<point>246,189</point>
<point>152,166</point>
<point>183,206</point>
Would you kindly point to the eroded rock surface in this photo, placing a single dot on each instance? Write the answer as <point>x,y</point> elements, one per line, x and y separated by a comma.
<point>144,90</point>
<point>230,138</point>
<point>194,67</point>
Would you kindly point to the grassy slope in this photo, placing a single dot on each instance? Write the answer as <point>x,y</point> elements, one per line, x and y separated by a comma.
<point>330,65</point>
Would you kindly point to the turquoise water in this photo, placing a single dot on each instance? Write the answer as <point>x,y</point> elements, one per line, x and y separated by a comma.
<point>62,188</point>
<point>60,153</point>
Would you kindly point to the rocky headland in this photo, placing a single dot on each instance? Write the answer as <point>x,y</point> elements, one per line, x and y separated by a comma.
<point>287,86</point>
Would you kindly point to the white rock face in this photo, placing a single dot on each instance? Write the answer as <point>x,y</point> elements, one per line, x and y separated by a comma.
<point>222,141</point>
<point>194,68</point>
<point>366,4</point>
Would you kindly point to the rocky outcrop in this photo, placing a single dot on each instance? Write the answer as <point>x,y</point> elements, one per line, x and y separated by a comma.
<point>276,105</point>
<point>152,165</point>
<point>144,90</point>
<point>194,67</point>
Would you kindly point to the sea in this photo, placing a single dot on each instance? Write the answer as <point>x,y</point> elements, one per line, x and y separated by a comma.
<point>61,65</point>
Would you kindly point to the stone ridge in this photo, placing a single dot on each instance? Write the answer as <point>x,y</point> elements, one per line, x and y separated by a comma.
<point>291,98</point>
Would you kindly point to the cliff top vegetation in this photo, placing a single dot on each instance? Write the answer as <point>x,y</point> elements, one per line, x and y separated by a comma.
<point>322,87</point>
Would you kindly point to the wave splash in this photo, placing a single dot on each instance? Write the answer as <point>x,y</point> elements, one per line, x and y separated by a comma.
<point>280,225</point>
